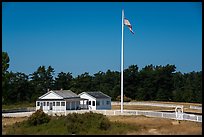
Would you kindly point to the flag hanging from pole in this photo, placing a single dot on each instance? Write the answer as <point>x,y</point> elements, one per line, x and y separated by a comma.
<point>127,23</point>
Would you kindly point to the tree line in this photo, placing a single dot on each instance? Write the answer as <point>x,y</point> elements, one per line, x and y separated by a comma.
<point>151,83</point>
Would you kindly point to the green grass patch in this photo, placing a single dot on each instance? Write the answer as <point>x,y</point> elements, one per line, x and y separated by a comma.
<point>79,124</point>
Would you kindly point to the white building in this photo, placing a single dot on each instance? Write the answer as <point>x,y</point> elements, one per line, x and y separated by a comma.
<point>60,100</point>
<point>96,100</point>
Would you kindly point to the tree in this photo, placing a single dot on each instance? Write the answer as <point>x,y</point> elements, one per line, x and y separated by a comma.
<point>110,83</point>
<point>5,62</point>
<point>147,83</point>
<point>131,81</point>
<point>41,81</point>
<point>5,76</point>
<point>82,83</point>
<point>19,88</point>
<point>164,80</point>
<point>63,81</point>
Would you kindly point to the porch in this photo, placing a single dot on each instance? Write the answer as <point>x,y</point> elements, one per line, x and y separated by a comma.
<point>61,105</point>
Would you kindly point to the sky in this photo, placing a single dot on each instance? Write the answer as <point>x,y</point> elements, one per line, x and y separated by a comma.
<point>81,37</point>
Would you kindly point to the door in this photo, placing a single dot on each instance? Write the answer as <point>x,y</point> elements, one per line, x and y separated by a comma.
<point>41,105</point>
<point>50,105</point>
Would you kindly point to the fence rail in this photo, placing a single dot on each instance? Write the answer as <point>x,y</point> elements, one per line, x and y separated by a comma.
<point>177,116</point>
<point>196,107</point>
<point>28,109</point>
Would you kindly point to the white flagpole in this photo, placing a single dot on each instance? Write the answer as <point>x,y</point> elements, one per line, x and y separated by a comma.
<point>122,63</point>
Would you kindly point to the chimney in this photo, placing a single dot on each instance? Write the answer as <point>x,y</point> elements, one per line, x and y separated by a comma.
<point>61,89</point>
<point>48,90</point>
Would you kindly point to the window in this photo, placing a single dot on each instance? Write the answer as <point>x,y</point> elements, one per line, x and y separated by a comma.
<point>93,103</point>
<point>97,103</point>
<point>53,103</point>
<point>38,103</point>
<point>62,103</point>
<point>107,102</point>
<point>47,103</point>
<point>44,103</point>
<point>89,102</point>
<point>58,104</point>
<point>102,102</point>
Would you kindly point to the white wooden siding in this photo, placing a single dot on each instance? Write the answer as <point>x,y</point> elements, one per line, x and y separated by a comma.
<point>96,107</point>
<point>55,108</point>
<point>90,98</point>
<point>51,95</point>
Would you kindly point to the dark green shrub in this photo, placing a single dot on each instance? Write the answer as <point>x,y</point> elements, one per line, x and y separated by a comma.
<point>38,118</point>
<point>83,123</point>
<point>105,124</point>
<point>73,123</point>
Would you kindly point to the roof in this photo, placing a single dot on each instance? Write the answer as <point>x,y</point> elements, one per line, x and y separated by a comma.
<point>97,94</point>
<point>66,94</point>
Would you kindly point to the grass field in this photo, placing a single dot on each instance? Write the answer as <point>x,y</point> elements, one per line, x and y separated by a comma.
<point>141,107</point>
<point>158,108</point>
<point>18,105</point>
<point>138,125</point>
<point>159,126</point>
<point>154,108</point>
<point>185,104</point>
<point>144,126</point>
<point>59,126</point>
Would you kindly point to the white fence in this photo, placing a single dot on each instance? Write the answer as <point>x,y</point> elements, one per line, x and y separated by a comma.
<point>177,116</point>
<point>196,107</point>
<point>17,114</point>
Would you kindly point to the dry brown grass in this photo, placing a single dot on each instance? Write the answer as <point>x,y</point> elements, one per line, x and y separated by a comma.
<point>142,107</point>
<point>160,126</point>
<point>147,125</point>
<point>6,121</point>
<point>185,104</point>
<point>155,108</point>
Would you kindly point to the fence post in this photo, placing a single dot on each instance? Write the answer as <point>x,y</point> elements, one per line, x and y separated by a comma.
<point>162,114</point>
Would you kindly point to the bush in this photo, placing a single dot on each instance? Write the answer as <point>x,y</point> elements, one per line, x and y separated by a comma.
<point>38,118</point>
<point>74,123</point>
<point>83,123</point>
<point>105,124</point>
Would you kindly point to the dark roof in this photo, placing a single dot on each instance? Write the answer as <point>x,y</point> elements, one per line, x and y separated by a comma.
<point>98,94</point>
<point>66,94</point>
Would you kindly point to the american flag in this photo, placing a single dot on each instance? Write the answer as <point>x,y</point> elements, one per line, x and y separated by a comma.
<point>127,23</point>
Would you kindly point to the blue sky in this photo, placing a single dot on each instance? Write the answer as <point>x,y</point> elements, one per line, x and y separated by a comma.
<point>86,36</point>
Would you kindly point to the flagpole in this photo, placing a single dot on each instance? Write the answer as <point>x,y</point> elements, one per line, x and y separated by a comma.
<point>122,63</point>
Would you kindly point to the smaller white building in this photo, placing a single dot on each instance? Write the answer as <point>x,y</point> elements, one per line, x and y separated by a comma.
<point>96,100</point>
